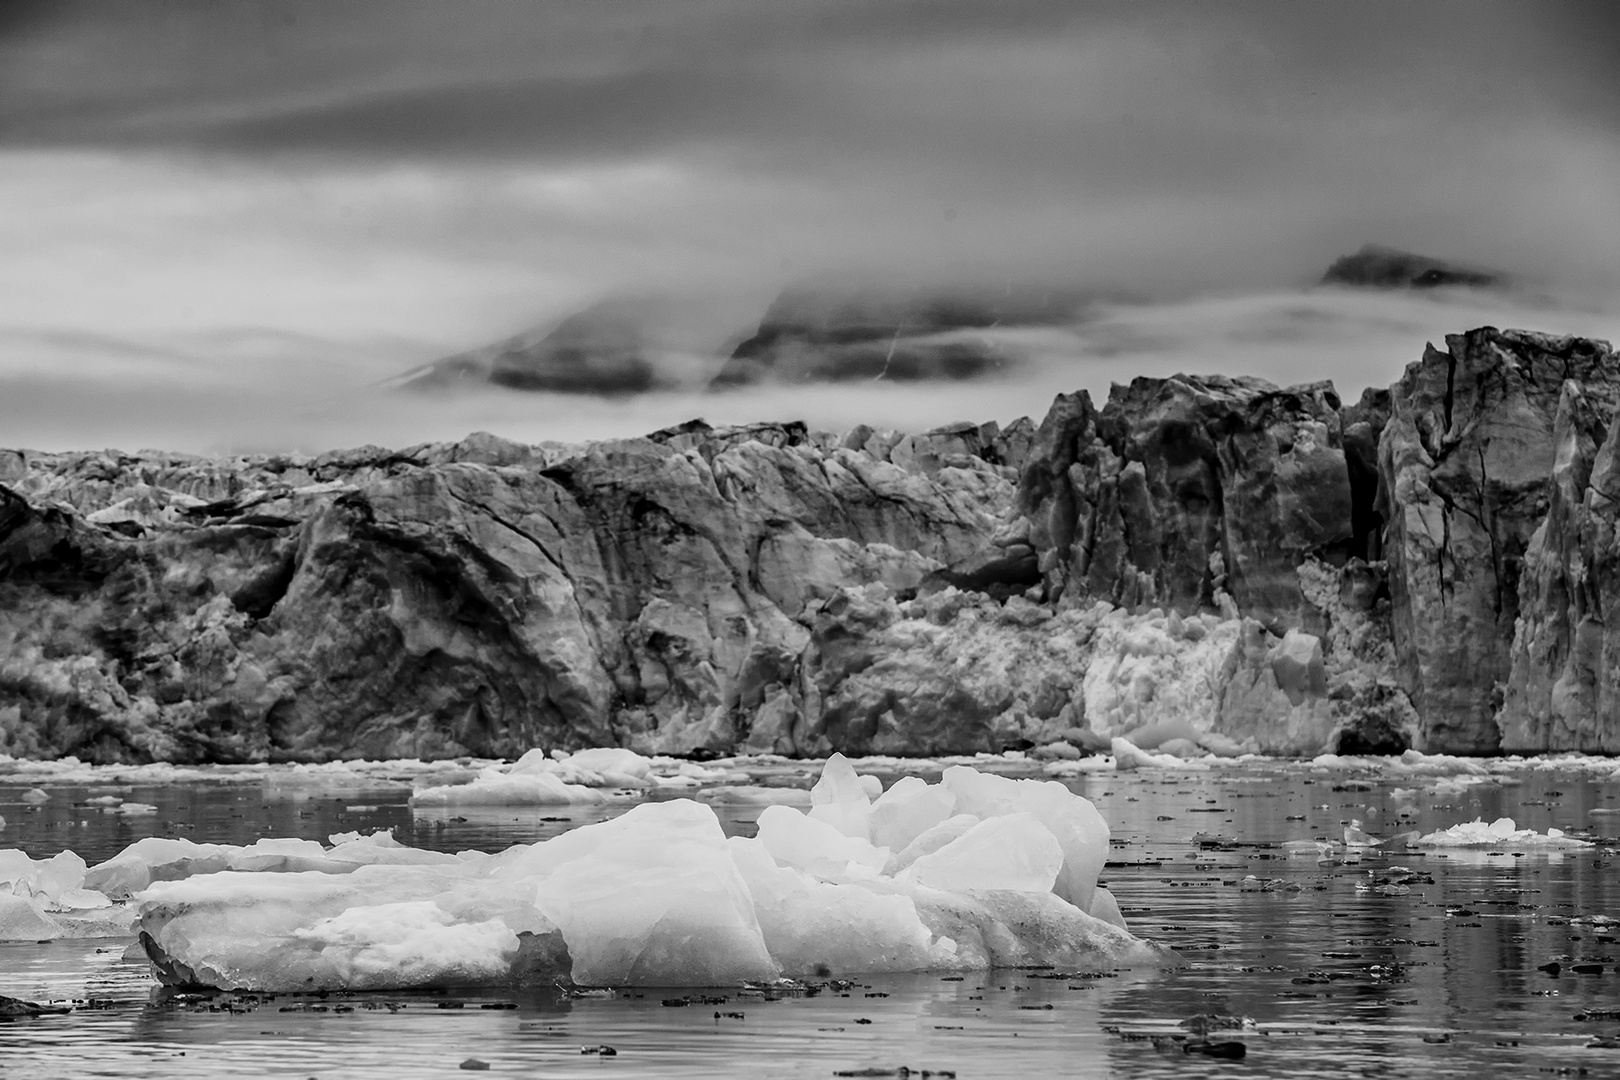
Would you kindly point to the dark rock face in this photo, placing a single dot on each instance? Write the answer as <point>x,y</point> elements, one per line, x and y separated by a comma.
<point>1466,459</point>
<point>1187,487</point>
<point>818,334</point>
<point>602,350</point>
<point>1390,268</point>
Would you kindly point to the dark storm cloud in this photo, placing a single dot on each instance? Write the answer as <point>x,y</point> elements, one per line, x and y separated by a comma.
<point>406,76</point>
<point>1410,123</point>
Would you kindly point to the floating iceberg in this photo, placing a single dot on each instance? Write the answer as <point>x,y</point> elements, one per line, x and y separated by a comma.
<point>45,899</point>
<point>558,779</point>
<point>973,872</point>
<point>494,787</point>
<point>1501,833</point>
<point>1129,756</point>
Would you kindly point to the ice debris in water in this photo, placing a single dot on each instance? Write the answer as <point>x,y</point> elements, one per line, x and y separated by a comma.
<point>972,872</point>
<point>560,778</point>
<point>1502,832</point>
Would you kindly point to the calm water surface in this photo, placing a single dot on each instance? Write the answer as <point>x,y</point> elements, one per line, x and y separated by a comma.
<point>1333,977</point>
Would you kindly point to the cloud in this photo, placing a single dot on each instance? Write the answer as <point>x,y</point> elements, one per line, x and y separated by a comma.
<point>207,198</point>
<point>1354,339</point>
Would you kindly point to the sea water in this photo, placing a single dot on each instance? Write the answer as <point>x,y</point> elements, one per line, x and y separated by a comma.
<point>1317,958</point>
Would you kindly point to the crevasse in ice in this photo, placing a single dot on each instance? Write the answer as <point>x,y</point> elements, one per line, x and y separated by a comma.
<point>975,871</point>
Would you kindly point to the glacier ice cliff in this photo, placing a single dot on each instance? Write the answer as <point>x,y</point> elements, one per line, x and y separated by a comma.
<point>1207,563</point>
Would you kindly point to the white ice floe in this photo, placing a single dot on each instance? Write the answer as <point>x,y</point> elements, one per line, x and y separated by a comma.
<point>158,858</point>
<point>1410,763</point>
<point>494,787</point>
<point>1501,833</point>
<point>45,899</point>
<point>1000,872</point>
<point>558,778</point>
<point>755,795</point>
<point>1129,756</point>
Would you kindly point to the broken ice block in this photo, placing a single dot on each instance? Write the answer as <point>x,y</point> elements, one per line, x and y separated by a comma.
<point>841,799</point>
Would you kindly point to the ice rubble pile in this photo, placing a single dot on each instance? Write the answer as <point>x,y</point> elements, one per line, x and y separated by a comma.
<point>973,872</point>
<point>558,778</point>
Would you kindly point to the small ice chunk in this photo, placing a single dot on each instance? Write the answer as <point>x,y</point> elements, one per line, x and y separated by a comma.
<point>1019,929</point>
<point>1128,756</point>
<point>1106,908</point>
<point>21,920</point>
<point>1014,852</point>
<point>35,796</point>
<point>841,800</point>
<point>48,879</point>
<point>1356,836</point>
<point>603,766</point>
<point>756,795</point>
<point>1502,832</point>
<point>495,788</point>
<point>53,890</point>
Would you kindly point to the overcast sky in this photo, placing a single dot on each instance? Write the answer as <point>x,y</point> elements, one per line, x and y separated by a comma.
<point>270,202</point>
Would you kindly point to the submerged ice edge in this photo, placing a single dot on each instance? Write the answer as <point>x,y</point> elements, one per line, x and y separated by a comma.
<point>973,871</point>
